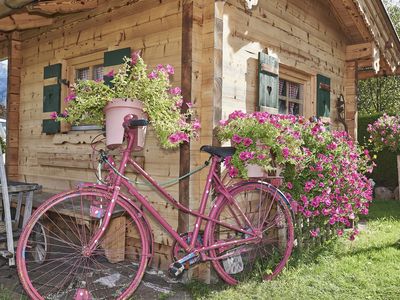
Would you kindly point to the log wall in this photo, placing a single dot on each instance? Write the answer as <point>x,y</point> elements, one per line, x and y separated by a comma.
<point>59,162</point>
<point>302,34</point>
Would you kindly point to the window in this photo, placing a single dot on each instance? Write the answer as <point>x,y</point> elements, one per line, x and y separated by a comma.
<point>91,72</point>
<point>291,97</point>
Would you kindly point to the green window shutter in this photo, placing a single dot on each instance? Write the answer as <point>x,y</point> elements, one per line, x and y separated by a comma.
<point>114,58</point>
<point>52,71</point>
<point>268,81</point>
<point>50,126</point>
<point>323,96</point>
<point>52,97</point>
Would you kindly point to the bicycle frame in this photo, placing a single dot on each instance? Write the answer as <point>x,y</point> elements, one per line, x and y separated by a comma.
<point>212,177</point>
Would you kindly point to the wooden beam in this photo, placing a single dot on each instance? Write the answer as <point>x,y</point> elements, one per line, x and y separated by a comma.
<point>186,82</point>
<point>61,6</point>
<point>13,98</point>
<point>361,51</point>
<point>22,21</point>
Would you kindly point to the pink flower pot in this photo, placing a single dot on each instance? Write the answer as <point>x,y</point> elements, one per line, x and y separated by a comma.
<point>115,112</point>
<point>256,171</point>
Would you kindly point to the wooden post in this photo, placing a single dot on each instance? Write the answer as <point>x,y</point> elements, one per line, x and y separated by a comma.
<point>13,102</point>
<point>7,211</point>
<point>186,82</point>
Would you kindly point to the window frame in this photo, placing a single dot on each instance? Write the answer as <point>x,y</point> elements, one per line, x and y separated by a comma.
<point>80,62</point>
<point>308,81</point>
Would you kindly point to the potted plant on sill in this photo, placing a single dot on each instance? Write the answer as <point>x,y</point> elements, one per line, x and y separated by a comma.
<point>145,92</point>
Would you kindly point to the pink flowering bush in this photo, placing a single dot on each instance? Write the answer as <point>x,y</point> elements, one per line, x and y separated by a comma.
<point>385,133</point>
<point>168,113</point>
<point>323,170</point>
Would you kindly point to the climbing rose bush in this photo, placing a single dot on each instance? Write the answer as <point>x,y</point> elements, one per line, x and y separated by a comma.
<point>385,133</point>
<point>323,170</point>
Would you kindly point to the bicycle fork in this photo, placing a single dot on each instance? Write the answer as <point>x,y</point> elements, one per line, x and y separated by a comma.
<point>91,246</point>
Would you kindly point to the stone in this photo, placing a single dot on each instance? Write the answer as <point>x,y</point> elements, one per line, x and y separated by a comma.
<point>396,193</point>
<point>383,193</point>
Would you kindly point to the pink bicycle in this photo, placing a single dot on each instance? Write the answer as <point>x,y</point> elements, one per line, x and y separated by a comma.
<point>63,253</point>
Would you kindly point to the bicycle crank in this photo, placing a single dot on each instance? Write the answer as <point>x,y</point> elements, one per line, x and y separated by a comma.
<point>176,269</point>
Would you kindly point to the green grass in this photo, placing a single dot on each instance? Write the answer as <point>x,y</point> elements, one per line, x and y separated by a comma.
<point>367,268</point>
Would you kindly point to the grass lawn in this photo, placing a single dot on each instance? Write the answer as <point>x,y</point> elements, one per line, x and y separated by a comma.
<point>367,268</point>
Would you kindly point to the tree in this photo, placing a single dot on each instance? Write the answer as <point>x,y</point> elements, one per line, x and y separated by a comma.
<point>379,95</point>
<point>382,94</point>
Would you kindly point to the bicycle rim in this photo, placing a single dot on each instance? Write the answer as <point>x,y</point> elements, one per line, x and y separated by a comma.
<point>265,257</point>
<point>51,263</point>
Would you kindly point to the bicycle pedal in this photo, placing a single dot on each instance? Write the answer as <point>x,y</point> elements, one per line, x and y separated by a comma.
<point>176,269</point>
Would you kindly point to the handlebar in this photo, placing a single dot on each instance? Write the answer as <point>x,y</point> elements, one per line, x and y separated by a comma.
<point>135,123</point>
<point>131,122</point>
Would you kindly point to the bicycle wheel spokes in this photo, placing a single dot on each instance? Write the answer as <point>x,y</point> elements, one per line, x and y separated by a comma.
<point>51,259</point>
<point>270,221</point>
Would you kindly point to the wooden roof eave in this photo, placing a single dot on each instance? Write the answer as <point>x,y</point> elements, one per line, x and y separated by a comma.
<point>384,37</point>
<point>39,14</point>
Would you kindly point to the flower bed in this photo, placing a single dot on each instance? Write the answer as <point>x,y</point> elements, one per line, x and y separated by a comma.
<point>323,170</point>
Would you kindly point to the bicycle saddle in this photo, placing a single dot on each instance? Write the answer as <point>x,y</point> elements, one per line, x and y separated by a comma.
<point>221,152</point>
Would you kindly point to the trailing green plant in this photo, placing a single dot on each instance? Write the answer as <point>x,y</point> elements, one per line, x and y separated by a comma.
<point>168,113</point>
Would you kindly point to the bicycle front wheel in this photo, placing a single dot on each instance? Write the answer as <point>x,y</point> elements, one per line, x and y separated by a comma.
<point>262,211</point>
<point>51,260</point>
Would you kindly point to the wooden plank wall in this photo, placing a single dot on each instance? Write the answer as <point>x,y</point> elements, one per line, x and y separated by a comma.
<point>302,34</point>
<point>151,25</point>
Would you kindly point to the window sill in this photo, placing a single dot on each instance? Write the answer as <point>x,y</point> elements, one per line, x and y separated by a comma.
<point>76,137</point>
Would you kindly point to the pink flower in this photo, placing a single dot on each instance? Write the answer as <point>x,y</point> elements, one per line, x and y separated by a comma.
<point>314,233</point>
<point>153,75</point>
<point>289,185</point>
<point>236,139</point>
<point>340,232</point>
<point>261,156</point>
<point>233,172</point>
<point>196,125</point>
<point>285,152</point>
<point>246,155</point>
<point>309,186</point>
<point>53,115</point>
<point>70,97</point>
<point>161,68</point>
<point>134,57</point>
<point>247,141</point>
<point>170,69</point>
<point>175,91</point>
<point>223,122</point>
<point>178,137</point>
<point>307,213</point>
<point>179,103</point>
<point>331,146</point>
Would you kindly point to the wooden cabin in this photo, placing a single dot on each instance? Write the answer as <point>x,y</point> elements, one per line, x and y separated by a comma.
<point>284,56</point>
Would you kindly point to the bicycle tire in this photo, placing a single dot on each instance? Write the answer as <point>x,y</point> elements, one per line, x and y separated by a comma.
<point>110,272</point>
<point>267,210</point>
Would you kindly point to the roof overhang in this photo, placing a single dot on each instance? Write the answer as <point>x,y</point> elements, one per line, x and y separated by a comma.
<point>28,14</point>
<point>372,39</point>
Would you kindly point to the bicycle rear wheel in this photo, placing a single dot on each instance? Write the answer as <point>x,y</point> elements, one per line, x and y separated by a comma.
<point>59,269</point>
<point>265,208</point>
